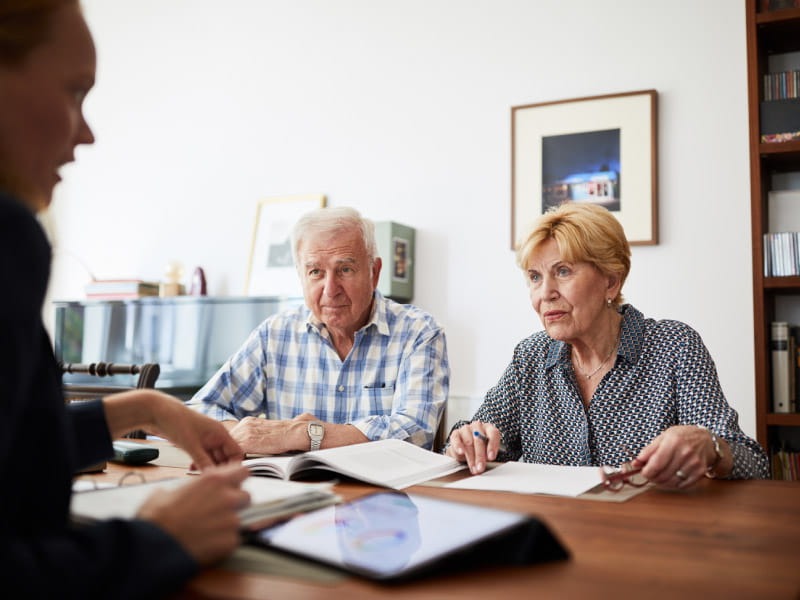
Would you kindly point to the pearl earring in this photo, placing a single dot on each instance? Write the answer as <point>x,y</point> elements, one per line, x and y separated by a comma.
<point>608,303</point>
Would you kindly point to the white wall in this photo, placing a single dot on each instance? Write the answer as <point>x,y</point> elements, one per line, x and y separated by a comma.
<point>402,109</point>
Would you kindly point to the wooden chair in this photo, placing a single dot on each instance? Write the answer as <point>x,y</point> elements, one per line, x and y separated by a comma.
<point>148,374</point>
<point>442,432</point>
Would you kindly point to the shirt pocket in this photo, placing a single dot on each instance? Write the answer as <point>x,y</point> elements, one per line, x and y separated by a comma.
<point>378,397</point>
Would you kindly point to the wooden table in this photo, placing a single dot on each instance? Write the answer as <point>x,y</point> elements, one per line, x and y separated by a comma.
<point>722,539</point>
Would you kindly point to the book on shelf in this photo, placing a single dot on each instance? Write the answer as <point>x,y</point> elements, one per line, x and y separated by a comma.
<point>782,254</point>
<point>388,463</point>
<point>269,499</point>
<point>120,289</point>
<point>785,464</point>
<point>788,136</point>
<point>781,85</point>
<point>782,241</point>
<point>783,350</point>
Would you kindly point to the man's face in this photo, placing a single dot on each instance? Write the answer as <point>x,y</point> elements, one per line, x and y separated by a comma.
<point>41,109</point>
<point>338,279</point>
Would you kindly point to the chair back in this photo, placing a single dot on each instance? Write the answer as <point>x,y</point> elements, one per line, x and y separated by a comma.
<point>148,374</point>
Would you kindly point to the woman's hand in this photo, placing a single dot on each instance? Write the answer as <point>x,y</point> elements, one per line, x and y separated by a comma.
<point>202,515</point>
<point>207,441</point>
<point>465,445</point>
<point>679,457</point>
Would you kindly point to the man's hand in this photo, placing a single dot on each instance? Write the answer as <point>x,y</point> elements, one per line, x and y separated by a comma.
<point>264,436</point>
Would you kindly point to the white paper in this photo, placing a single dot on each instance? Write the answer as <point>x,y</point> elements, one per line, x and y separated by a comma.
<point>266,497</point>
<point>530,478</point>
<point>391,463</point>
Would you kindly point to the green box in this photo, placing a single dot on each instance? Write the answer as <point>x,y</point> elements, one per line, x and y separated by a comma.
<point>396,248</point>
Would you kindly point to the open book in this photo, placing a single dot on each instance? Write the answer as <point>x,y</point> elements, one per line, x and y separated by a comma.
<point>269,499</point>
<point>389,463</point>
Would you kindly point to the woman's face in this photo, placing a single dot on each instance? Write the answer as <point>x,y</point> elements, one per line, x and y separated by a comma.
<point>569,298</point>
<point>41,109</point>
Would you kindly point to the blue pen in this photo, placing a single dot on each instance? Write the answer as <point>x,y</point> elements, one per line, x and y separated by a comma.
<point>479,435</point>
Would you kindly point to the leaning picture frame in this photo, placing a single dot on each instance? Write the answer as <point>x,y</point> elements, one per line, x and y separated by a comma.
<point>599,149</point>
<point>270,268</point>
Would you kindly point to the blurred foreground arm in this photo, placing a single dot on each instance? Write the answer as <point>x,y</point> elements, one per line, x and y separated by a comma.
<point>206,440</point>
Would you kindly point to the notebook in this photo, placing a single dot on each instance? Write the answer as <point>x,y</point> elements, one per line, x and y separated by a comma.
<point>269,499</point>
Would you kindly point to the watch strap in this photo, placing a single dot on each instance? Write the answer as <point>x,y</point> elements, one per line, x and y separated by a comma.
<point>316,438</point>
<point>710,469</point>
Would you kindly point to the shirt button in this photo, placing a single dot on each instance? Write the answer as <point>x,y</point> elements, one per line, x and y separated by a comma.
<point>341,388</point>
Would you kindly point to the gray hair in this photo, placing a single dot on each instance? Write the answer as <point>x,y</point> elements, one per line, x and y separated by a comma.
<point>332,219</point>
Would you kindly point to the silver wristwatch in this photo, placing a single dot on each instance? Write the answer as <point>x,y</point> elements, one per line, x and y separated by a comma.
<point>316,431</point>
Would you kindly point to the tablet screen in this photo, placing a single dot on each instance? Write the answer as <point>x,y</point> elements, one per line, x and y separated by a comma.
<point>388,534</point>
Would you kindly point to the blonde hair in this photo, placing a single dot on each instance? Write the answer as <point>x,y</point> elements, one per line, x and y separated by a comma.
<point>584,233</point>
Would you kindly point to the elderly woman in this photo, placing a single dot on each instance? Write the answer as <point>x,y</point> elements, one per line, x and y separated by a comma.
<point>603,385</point>
<point>47,66</point>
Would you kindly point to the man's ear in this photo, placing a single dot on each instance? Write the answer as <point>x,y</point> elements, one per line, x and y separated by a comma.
<point>376,271</point>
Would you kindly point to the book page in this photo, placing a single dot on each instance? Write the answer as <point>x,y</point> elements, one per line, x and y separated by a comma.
<point>272,466</point>
<point>271,498</point>
<point>118,502</point>
<point>529,478</point>
<point>390,463</point>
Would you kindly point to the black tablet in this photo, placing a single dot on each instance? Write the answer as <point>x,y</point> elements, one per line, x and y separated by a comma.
<point>392,536</point>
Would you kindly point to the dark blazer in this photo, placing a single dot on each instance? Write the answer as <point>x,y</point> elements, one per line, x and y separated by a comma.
<point>43,442</point>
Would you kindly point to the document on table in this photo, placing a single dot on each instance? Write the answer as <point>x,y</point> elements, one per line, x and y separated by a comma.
<point>530,478</point>
<point>269,499</point>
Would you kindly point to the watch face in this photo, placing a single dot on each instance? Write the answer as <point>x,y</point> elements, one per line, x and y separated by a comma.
<point>315,429</point>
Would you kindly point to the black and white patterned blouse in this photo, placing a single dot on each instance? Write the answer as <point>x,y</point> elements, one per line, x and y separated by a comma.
<point>663,376</point>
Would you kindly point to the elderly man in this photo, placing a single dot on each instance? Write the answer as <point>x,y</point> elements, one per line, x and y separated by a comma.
<point>349,367</point>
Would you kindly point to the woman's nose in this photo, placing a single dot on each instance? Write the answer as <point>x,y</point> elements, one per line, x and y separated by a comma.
<point>549,289</point>
<point>85,133</point>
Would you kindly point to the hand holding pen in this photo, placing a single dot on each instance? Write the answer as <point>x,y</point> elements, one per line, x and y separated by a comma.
<point>475,443</point>
<point>480,436</point>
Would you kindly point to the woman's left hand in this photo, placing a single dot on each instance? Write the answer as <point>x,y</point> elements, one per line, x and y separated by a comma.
<point>678,457</point>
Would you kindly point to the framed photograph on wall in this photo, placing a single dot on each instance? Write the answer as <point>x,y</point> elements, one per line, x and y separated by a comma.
<point>400,253</point>
<point>270,269</point>
<point>396,248</point>
<point>600,150</point>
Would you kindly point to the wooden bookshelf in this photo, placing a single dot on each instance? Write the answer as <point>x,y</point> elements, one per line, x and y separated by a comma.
<point>768,33</point>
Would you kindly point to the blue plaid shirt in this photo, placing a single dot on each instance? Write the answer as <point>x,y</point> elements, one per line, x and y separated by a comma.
<point>392,384</point>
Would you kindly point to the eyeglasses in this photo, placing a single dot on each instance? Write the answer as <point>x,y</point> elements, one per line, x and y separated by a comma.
<point>614,478</point>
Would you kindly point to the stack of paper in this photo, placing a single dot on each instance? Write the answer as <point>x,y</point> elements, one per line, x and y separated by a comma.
<point>269,498</point>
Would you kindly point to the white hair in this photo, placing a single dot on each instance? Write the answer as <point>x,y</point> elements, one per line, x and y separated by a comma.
<point>330,220</point>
